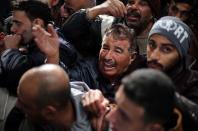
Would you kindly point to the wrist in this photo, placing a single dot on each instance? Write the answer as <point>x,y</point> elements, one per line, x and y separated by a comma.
<point>92,13</point>
<point>52,59</point>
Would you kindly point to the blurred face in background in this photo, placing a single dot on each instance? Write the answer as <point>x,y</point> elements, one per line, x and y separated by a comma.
<point>138,14</point>
<point>180,10</point>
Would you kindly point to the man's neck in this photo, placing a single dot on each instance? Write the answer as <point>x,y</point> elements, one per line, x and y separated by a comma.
<point>146,30</point>
<point>68,117</point>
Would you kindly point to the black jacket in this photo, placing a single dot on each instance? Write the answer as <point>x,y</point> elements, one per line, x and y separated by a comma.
<point>84,34</point>
<point>185,77</point>
<point>88,72</point>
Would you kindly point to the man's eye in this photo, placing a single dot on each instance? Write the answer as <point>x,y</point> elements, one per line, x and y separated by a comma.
<point>152,45</point>
<point>131,2</point>
<point>118,51</point>
<point>105,48</point>
<point>143,3</point>
<point>185,13</point>
<point>167,50</point>
<point>175,9</point>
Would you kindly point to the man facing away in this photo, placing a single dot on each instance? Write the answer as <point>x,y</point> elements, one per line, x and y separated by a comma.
<point>145,102</point>
<point>49,102</point>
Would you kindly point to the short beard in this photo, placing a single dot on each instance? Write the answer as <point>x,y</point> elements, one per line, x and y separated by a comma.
<point>140,27</point>
<point>172,67</point>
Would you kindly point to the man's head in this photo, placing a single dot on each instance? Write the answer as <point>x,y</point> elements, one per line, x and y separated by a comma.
<point>145,101</point>
<point>168,43</point>
<point>2,35</point>
<point>71,6</point>
<point>27,13</point>
<point>117,52</point>
<point>43,93</point>
<point>141,13</point>
<point>181,9</point>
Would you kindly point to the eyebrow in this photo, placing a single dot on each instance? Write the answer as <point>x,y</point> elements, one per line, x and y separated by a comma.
<point>16,21</point>
<point>117,47</point>
<point>163,44</point>
<point>168,44</point>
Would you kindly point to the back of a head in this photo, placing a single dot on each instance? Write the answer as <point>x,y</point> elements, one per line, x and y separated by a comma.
<point>51,85</point>
<point>34,9</point>
<point>152,90</point>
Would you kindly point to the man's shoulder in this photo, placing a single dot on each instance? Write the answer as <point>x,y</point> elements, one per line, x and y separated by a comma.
<point>78,88</point>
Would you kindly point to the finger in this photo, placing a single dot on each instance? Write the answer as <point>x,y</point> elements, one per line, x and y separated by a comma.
<point>84,102</point>
<point>119,8</point>
<point>94,123</point>
<point>87,102</point>
<point>51,30</point>
<point>105,104</point>
<point>95,100</point>
<point>113,10</point>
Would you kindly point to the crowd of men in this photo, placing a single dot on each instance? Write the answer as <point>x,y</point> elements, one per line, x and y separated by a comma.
<point>84,65</point>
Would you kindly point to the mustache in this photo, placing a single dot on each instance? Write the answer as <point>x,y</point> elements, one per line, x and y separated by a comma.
<point>155,63</point>
<point>134,13</point>
<point>109,61</point>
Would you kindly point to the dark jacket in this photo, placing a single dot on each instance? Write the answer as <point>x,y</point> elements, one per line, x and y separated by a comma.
<point>88,72</point>
<point>185,77</point>
<point>14,62</point>
<point>83,33</point>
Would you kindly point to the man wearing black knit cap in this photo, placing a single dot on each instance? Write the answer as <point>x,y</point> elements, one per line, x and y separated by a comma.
<point>137,14</point>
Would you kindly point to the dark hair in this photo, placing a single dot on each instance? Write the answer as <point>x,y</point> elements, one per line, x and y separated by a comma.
<point>34,9</point>
<point>152,90</point>
<point>122,32</point>
<point>1,27</point>
<point>190,2</point>
<point>58,97</point>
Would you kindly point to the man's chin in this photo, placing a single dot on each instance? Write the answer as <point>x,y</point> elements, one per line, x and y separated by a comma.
<point>132,24</point>
<point>155,67</point>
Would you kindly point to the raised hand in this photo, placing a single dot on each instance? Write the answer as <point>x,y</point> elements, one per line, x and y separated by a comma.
<point>110,7</point>
<point>48,42</point>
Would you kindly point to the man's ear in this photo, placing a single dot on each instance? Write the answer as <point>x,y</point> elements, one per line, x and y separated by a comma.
<point>38,21</point>
<point>49,112</point>
<point>2,36</point>
<point>133,56</point>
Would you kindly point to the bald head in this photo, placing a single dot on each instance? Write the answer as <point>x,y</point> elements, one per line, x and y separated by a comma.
<point>46,85</point>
